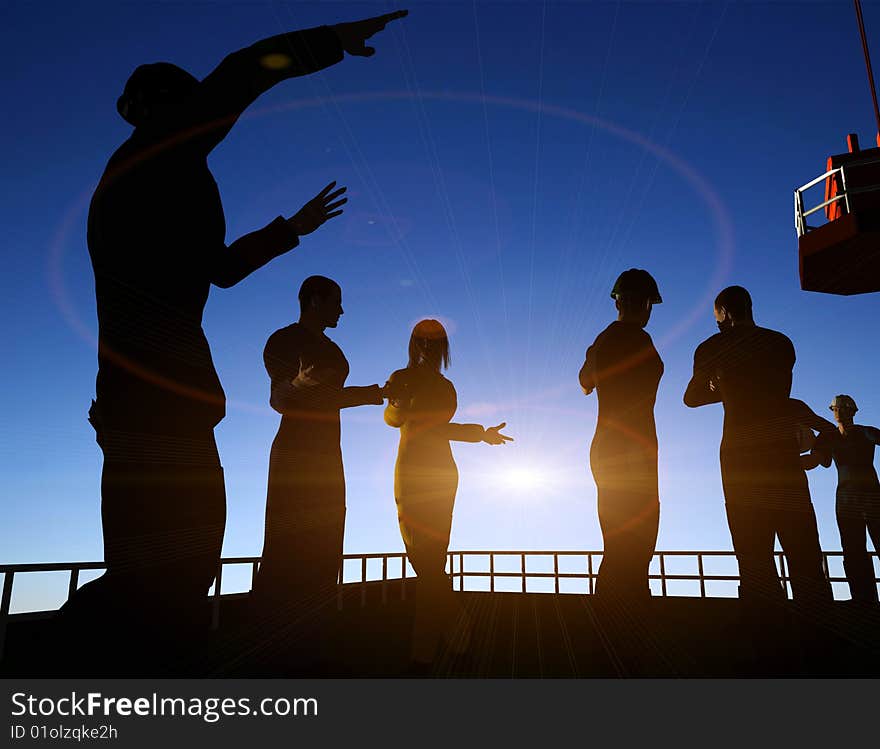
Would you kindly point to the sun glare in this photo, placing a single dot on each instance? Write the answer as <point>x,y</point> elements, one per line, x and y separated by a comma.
<point>525,478</point>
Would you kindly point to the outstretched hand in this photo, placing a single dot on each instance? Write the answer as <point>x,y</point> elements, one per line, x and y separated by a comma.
<point>493,435</point>
<point>319,209</point>
<point>353,35</point>
<point>394,391</point>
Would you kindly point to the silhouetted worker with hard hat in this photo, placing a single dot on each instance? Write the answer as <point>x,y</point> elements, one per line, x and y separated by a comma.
<point>624,368</point>
<point>851,446</point>
<point>749,369</point>
<point>305,501</point>
<point>156,235</point>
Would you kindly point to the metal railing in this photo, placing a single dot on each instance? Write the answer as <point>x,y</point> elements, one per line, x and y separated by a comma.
<point>801,213</point>
<point>456,568</point>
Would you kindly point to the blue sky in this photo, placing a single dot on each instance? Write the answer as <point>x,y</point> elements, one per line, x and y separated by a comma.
<point>504,162</point>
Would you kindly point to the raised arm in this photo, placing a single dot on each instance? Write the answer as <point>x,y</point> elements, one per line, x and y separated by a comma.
<point>252,251</point>
<point>244,75</point>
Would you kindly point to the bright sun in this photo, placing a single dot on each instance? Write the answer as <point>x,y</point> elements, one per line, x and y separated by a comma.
<point>525,478</point>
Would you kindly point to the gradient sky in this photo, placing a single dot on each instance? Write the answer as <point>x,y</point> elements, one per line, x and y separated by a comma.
<point>504,162</point>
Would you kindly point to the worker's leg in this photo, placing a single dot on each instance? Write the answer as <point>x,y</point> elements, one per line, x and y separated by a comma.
<point>799,537</point>
<point>752,532</point>
<point>852,525</point>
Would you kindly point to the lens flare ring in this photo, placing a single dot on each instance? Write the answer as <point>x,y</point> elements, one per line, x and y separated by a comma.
<point>695,180</point>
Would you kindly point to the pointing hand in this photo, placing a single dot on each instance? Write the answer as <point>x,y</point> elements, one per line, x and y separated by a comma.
<point>353,35</point>
<point>493,435</point>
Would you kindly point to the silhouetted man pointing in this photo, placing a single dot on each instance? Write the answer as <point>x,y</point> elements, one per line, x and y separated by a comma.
<point>156,235</point>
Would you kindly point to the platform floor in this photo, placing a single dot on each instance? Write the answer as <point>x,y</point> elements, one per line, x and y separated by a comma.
<point>513,635</point>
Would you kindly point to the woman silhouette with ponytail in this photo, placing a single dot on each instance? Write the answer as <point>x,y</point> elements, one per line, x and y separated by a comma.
<point>421,404</point>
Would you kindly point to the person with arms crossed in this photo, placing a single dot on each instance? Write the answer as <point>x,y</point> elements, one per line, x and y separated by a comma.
<point>748,369</point>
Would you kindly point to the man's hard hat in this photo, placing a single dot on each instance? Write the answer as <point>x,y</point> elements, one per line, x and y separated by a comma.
<point>843,401</point>
<point>636,282</point>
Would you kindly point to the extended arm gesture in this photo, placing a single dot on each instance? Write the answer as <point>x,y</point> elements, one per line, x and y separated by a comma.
<point>493,435</point>
<point>319,209</point>
<point>353,35</point>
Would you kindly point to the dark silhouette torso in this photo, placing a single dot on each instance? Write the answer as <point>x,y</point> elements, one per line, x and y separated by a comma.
<point>765,485</point>
<point>425,484</point>
<point>156,234</point>
<point>156,237</point>
<point>305,502</point>
<point>752,368</point>
<point>853,455</point>
<point>760,456</point>
<point>626,370</point>
<point>155,225</point>
<point>425,475</point>
<point>858,503</point>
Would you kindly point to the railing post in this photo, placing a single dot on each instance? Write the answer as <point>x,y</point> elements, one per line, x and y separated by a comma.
<point>523,570</point>
<point>450,560</point>
<point>340,571</point>
<point>556,572</point>
<point>363,581</point>
<point>74,582</point>
<point>403,577</point>
<point>783,573</point>
<point>218,582</point>
<point>590,573</point>
<point>461,572</point>
<point>4,607</point>
<point>662,574</point>
<point>802,229</point>
<point>491,573</point>
<point>702,578</point>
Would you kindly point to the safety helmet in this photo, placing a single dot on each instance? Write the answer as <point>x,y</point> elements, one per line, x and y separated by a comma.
<point>843,401</point>
<point>636,282</point>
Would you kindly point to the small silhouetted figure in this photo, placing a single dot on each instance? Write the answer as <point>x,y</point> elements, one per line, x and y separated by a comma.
<point>749,369</point>
<point>156,235</point>
<point>305,502</point>
<point>851,446</point>
<point>421,404</point>
<point>624,368</point>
